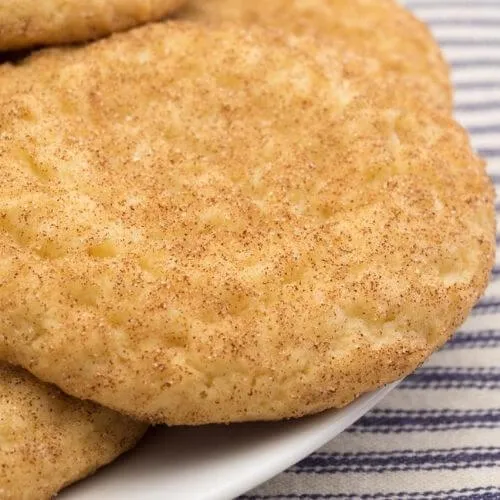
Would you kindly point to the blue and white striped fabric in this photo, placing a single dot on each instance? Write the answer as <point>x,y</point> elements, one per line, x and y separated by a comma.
<point>437,436</point>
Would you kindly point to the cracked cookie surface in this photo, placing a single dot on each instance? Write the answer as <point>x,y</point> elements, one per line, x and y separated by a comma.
<point>401,47</point>
<point>212,225</point>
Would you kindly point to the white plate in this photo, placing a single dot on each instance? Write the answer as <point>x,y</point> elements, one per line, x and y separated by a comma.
<point>215,462</point>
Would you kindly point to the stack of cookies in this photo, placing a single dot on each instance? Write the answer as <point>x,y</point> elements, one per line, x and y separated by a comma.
<point>237,211</point>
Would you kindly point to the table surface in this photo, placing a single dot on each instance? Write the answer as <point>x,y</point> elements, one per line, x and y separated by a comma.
<point>437,436</point>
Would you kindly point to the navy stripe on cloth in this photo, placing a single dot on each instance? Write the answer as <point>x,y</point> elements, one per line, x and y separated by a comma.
<point>480,309</point>
<point>480,339</point>
<point>488,301</point>
<point>474,63</point>
<point>464,86</point>
<point>394,421</point>
<point>495,273</point>
<point>487,493</point>
<point>415,4</point>
<point>444,377</point>
<point>449,42</point>
<point>479,106</point>
<point>485,129</point>
<point>401,460</point>
<point>486,307</point>
<point>490,152</point>
<point>473,23</point>
<point>479,85</point>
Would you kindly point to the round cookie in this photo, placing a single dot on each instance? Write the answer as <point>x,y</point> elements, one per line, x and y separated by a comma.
<point>380,29</point>
<point>212,225</point>
<point>29,23</point>
<point>49,440</point>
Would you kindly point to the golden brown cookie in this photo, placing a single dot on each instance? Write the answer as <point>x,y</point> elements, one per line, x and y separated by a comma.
<point>28,23</point>
<point>380,29</point>
<point>49,440</point>
<point>213,225</point>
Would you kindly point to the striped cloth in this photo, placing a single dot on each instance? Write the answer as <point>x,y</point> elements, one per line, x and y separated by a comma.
<point>437,436</point>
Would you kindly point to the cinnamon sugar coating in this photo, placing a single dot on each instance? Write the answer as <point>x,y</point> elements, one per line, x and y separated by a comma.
<point>49,439</point>
<point>29,23</point>
<point>211,225</point>
<point>401,47</point>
